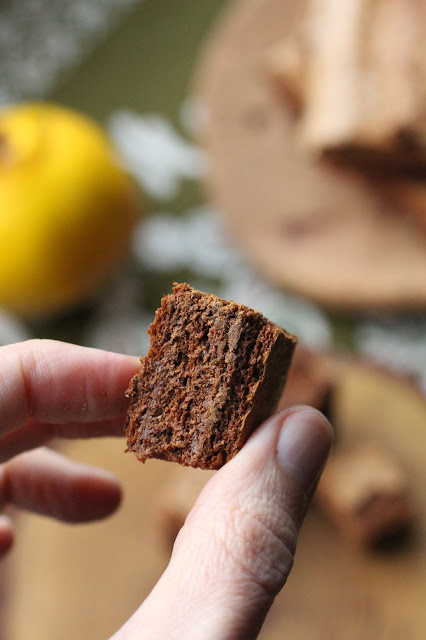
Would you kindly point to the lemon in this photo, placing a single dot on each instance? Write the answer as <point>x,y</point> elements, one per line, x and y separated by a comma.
<point>67,209</point>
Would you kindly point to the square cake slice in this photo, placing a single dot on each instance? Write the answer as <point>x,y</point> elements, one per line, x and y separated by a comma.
<point>214,371</point>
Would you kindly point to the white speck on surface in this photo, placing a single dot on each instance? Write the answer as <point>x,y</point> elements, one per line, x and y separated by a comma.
<point>120,323</point>
<point>122,332</point>
<point>158,243</point>
<point>41,39</point>
<point>193,116</point>
<point>154,153</point>
<point>196,241</point>
<point>12,329</point>
<point>397,343</point>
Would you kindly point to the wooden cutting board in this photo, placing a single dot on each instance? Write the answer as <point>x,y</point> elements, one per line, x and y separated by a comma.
<point>317,229</point>
<point>82,582</point>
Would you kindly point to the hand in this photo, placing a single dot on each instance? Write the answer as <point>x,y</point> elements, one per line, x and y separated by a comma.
<point>50,389</point>
<point>236,549</point>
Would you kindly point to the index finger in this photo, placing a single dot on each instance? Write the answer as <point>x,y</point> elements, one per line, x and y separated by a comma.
<point>58,383</point>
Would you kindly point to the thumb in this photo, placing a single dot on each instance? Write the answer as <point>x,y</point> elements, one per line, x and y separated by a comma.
<point>236,549</point>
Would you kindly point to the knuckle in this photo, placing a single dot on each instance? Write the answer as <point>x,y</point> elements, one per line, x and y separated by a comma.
<point>258,541</point>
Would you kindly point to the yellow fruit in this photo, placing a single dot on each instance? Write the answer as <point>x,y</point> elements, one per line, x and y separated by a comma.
<point>66,208</point>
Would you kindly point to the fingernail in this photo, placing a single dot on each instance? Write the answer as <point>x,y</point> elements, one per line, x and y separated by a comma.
<point>303,446</point>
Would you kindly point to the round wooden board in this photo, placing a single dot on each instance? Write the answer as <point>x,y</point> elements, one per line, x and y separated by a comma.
<point>318,230</point>
<point>83,581</point>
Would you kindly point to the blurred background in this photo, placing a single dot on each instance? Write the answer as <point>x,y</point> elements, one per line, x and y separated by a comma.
<point>146,142</point>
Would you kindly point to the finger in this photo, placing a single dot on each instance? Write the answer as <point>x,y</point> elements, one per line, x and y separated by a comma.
<point>35,434</point>
<point>45,482</point>
<point>6,535</point>
<point>54,382</point>
<point>236,549</point>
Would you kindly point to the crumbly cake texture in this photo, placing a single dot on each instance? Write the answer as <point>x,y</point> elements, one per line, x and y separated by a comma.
<point>214,371</point>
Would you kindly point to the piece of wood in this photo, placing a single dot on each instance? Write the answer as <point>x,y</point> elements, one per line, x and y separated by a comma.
<point>317,229</point>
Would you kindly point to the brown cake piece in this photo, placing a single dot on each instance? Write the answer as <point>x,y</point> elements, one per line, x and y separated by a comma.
<point>364,491</point>
<point>214,371</point>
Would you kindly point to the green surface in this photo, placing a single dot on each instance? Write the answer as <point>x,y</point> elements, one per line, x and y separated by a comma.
<point>146,64</point>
